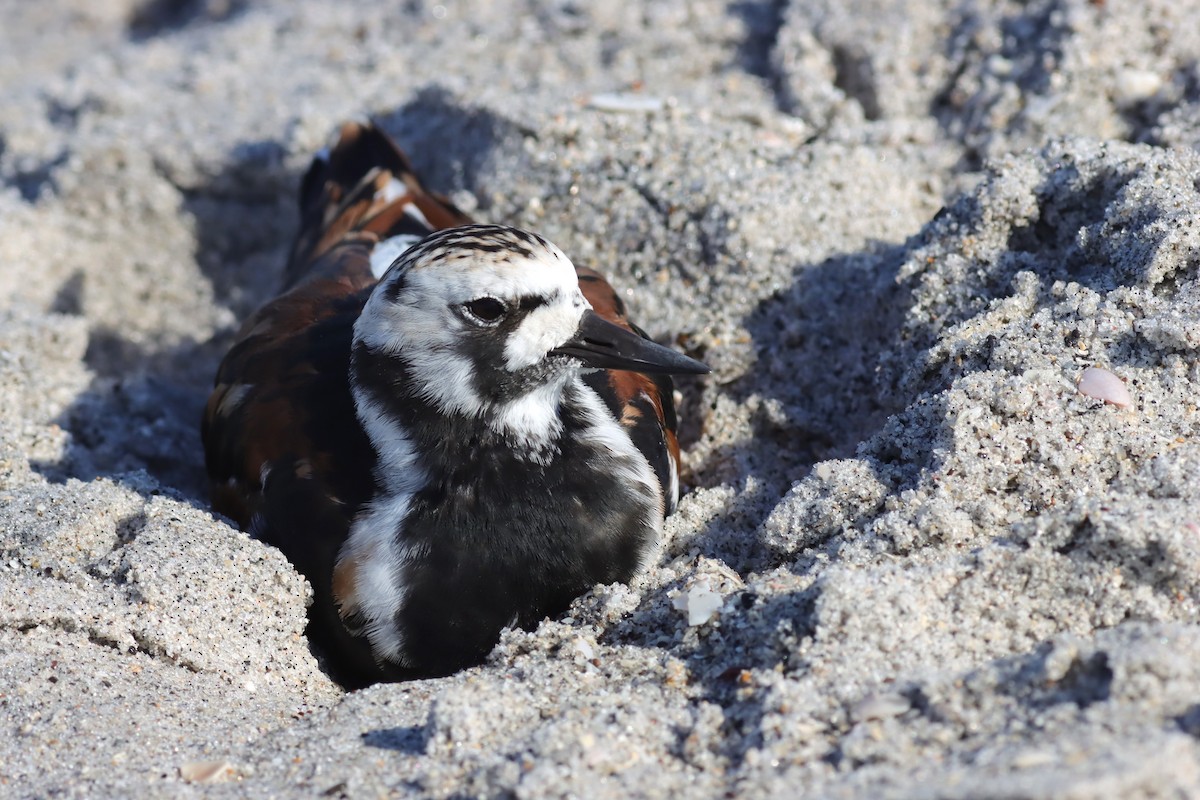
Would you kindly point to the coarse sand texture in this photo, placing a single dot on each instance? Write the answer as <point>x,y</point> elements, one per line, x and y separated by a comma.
<point>940,537</point>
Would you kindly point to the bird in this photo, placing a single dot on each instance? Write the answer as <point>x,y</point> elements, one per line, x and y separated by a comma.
<point>445,426</point>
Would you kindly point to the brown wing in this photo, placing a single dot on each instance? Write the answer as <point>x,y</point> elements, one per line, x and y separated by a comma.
<point>282,393</point>
<point>644,404</point>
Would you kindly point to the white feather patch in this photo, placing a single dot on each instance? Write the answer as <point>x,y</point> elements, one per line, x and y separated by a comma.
<point>606,433</point>
<point>413,211</point>
<point>375,543</point>
<point>380,581</point>
<point>392,190</point>
<point>387,251</point>
<point>544,329</point>
<point>603,430</point>
<point>533,422</point>
<point>398,464</point>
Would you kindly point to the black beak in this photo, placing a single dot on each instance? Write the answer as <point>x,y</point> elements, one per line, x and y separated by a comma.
<point>599,343</point>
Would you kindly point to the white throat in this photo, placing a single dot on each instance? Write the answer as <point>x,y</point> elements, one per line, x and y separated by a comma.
<point>533,422</point>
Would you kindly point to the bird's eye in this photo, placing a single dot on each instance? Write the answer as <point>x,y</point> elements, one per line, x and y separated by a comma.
<point>485,309</point>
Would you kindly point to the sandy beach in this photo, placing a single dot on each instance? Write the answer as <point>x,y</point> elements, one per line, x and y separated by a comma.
<point>941,530</point>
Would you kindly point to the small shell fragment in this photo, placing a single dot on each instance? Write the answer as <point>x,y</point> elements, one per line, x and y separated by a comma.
<point>208,771</point>
<point>880,707</point>
<point>699,602</point>
<point>584,648</point>
<point>1104,385</point>
<point>622,102</point>
<point>1135,86</point>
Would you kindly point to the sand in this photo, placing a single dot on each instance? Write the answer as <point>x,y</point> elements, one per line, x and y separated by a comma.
<point>914,560</point>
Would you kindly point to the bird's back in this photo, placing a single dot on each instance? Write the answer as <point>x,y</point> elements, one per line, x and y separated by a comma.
<point>281,393</point>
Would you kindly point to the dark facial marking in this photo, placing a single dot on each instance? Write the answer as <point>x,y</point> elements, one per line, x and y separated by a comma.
<point>531,301</point>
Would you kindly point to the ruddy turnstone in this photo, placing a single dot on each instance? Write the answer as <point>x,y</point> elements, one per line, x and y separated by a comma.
<point>447,427</point>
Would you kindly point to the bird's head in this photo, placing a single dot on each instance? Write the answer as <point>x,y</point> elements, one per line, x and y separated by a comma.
<point>485,317</point>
